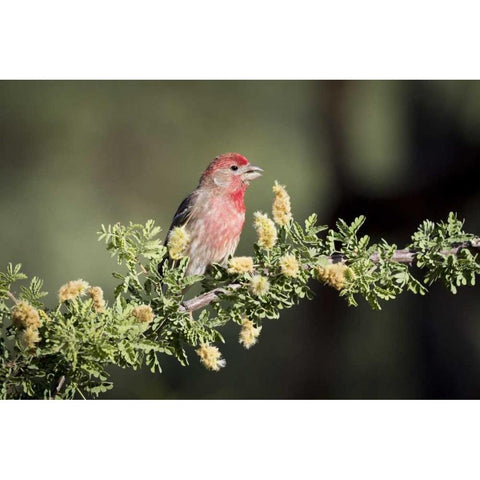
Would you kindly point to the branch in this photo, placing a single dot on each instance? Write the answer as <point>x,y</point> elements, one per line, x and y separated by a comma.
<point>207,298</point>
<point>408,256</point>
<point>400,256</point>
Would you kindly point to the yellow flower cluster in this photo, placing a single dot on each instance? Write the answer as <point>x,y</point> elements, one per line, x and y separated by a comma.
<point>266,231</point>
<point>143,313</point>
<point>25,315</point>
<point>29,337</point>
<point>259,285</point>
<point>211,357</point>
<point>281,210</point>
<point>240,265</point>
<point>178,242</point>
<point>337,275</point>
<point>27,318</point>
<point>249,333</point>
<point>72,290</point>
<point>96,294</point>
<point>289,265</point>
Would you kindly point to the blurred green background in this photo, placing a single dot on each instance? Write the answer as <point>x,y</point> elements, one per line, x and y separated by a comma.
<point>74,155</point>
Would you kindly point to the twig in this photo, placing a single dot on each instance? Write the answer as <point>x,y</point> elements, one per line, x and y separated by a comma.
<point>12,297</point>
<point>400,256</point>
<point>59,386</point>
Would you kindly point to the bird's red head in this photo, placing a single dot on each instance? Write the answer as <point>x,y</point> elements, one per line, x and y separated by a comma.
<point>231,172</point>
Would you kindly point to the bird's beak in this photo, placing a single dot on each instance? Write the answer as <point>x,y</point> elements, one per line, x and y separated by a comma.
<point>251,172</point>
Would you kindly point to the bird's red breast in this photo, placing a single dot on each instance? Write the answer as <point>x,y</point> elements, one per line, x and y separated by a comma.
<point>215,230</point>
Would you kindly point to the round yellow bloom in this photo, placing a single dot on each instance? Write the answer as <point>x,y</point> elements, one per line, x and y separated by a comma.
<point>71,290</point>
<point>289,265</point>
<point>266,231</point>
<point>337,275</point>
<point>249,333</point>
<point>143,313</point>
<point>25,315</point>
<point>211,357</point>
<point>96,294</point>
<point>259,285</point>
<point>281,209</point>
<point>29,337</point>
<point>178,241</point>
<point>240,265</point>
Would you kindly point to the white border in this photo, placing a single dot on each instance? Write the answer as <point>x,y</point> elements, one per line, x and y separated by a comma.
<point>244,40</point>
<point>240,439</point>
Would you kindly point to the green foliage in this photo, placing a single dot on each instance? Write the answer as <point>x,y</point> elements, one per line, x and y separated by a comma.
<point>383,279</point>
<point>79,341</point>
<point>443,250</point>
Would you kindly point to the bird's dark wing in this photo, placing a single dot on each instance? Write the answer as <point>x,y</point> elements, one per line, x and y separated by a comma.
<point>182,214</point>
<point>180,218</point>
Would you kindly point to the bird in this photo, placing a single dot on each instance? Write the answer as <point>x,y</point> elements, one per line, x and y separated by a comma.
<point>213,215</point>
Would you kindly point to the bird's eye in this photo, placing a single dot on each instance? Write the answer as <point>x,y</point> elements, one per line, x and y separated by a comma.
<point>233,167</point>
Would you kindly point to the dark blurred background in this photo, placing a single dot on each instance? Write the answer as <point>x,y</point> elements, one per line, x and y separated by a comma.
<point>74,155</point>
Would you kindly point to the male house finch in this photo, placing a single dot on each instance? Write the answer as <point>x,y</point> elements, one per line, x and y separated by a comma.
<point>214,213</point>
